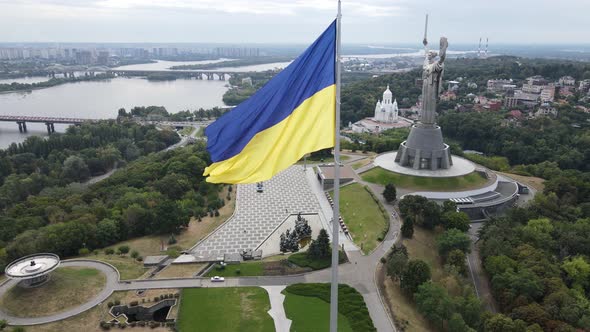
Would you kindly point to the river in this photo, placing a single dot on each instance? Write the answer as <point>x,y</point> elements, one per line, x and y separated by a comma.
<point>165,66</point>
<point>102,99</point>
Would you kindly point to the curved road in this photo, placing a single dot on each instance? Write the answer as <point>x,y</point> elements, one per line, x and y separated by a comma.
<point>112,282</point>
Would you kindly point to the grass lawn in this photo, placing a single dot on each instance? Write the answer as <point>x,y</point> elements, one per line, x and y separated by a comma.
<point>180,271</point>
<point>383,177</point>
<point>308,306</point>
<point>240,309</point>
<point>311,314</point>
<point>252,268</point>
<point>68,287</point>
<point>274,265</point>
<point>128,267</point>
<point>89,320</point>
<point>362,216</point>
<point>319,160</point>
<point>300,259</point>
<point>531,181</point>
<point>361,163</point>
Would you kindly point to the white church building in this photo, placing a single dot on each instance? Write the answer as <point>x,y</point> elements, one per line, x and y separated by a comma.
<point>386,117</point>
<point>386,111</point>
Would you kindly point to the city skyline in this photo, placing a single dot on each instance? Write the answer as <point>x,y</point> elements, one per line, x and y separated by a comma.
<point>365,21</point>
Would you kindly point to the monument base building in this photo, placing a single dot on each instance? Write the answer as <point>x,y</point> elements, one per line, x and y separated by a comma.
<point>424,149</point>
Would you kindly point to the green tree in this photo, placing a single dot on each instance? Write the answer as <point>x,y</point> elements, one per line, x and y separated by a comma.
<point>412,205</point>
<point>531,313</point>
<point>434,303</point>
<point>124,249</point>
<point>457,220</point>
<point>470,308</point>
<point>449,206</point>
<point>431,214</point>
<point>512,284</point>
<point>75,169</point>
<point>397,263</point>
<point>538,231</point>
<point>501,323</point>
<point>453,239</point>
<point>415,274</point>
<point>174,185</point>
<point>578,270</point>
<point>456,258</point>
<point>407,228</point>
<point>457,324</point>
<point>499,264</point>
<point>107,232</point>
<point>390,193</point>
<point>320,247</point>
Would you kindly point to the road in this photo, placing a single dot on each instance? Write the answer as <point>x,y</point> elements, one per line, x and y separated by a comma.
<point>112,282</point>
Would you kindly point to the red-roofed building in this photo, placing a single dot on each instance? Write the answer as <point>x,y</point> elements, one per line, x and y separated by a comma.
<point>516,114</point>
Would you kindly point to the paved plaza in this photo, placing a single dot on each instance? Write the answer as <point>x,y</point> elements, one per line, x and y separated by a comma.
<point>259,213</point>
<point>461,166</point>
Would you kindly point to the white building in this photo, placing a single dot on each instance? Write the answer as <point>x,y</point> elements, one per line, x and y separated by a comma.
<point>567,81</point>
<point>545,110</point>
<point>386,111</point>
<point>386,117</point>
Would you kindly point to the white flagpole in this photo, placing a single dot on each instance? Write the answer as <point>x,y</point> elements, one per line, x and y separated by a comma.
<point>335,220</point>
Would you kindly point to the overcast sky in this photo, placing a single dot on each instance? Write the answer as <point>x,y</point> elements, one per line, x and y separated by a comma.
<point>293,21</point>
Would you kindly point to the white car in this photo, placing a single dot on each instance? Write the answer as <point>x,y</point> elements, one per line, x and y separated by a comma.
<point>217,279</point>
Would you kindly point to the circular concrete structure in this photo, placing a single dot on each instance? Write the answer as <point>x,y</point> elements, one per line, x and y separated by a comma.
<point>32,270</point>
<point>460,167</point>
<point>424,149</point>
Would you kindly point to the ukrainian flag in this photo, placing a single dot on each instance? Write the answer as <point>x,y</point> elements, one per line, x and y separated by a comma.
<point>292,115</point>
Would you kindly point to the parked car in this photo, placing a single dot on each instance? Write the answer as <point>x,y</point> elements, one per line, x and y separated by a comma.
<point>217,279</point>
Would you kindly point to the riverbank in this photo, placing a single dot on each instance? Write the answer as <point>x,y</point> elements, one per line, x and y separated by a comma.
<point>234,63</point>
<point>19,87</point>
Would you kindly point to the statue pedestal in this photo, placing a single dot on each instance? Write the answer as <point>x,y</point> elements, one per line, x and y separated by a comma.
<point>424,149</point>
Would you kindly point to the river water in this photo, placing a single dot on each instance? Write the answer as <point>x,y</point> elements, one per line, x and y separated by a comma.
<point>102,99</point>
<point>165,66</point>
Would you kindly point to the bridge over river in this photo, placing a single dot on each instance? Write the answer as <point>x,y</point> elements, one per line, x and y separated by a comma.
<point>199,75</point>
<point>22,120</point>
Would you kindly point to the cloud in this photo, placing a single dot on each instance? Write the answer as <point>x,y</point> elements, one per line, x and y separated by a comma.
<point>257,7</point>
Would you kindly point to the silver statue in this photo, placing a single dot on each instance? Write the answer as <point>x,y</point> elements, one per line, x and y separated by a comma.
<point>432,79</point>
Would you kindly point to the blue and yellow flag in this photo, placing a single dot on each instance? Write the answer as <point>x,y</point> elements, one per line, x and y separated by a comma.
<point>292,115</point>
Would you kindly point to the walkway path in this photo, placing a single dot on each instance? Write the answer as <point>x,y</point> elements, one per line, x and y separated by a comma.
<point>277,309</point>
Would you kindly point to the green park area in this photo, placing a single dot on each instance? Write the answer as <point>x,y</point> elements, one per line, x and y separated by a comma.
<point>363,216</point>
<point>383,177</point>
<point>242,309</point>
<point>308,306</point>
<point>68,287</point>
<point>276,265</point>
